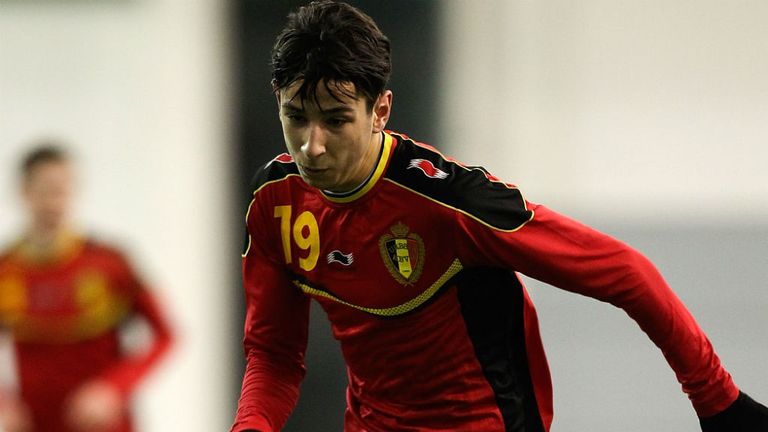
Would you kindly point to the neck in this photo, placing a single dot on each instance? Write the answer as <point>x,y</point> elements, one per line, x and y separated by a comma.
<point>371,159</point>
<point>44,237</point>
<point>45,243</point>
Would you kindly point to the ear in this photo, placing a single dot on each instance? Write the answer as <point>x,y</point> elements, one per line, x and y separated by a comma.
<point>382,108</point>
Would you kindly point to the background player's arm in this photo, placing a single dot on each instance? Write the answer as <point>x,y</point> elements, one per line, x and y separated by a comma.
<point>14,413</point>
<point>562,252</point>
<point>276,326</point>
<point>126,374</point>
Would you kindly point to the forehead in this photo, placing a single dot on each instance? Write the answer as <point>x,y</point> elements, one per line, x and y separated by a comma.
<point>49,168</point>
<point>325,95</point>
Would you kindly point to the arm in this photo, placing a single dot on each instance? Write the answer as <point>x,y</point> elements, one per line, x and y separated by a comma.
<point>569,255</point>
<point>276,326</point>
<point>14,413</point>
<point>127,373</point>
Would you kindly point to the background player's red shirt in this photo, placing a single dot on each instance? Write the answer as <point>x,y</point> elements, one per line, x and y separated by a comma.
<point>416,271</point>
<point>64,312</point>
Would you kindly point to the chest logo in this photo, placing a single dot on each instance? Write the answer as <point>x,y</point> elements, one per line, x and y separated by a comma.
<point>403,254</point>
<point>428,168</point>
<point>339,257</point>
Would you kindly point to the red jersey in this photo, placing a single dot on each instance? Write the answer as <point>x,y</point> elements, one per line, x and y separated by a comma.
<point>417,272</point>
<point>64,314</point>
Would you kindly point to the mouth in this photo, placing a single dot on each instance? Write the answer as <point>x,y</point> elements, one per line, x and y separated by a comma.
<point>313,171</point>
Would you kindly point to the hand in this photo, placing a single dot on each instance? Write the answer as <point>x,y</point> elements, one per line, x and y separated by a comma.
<point>15,416</point>
<point>95,407</point>
<point>744,415</point>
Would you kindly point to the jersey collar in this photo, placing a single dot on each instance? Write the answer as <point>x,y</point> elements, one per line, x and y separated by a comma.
<point>381,165</point>
<point>65,247</point>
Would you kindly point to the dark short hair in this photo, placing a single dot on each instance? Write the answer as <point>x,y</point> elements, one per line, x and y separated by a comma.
<point>44,152</point>
<point>334,42</point>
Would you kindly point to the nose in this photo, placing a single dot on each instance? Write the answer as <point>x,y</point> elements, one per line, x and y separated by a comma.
<point>314,144</point>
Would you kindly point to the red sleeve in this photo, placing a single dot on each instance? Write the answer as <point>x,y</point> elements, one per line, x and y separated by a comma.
<point>562,252</point>
<point>130,370</point>
<point>276,326</point>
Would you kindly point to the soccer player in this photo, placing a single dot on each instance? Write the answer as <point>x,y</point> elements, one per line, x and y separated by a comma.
<point>414,258</point>
<point>63,299</point>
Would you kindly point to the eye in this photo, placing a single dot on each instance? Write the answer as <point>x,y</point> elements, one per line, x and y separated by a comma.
<point>336,122</point>
<point>295,118</point>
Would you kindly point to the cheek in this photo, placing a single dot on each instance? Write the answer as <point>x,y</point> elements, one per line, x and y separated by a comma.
<point>293,138</point>
<point>52,198</point>
<point>55,202</point>
<point>291,142</point>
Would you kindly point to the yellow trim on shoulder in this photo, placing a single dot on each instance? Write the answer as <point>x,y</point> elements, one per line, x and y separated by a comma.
<point>469,214</point>
<point>401,309</point>
<point>274,181</point>
<point>382,164</point>
<point>247,214</point>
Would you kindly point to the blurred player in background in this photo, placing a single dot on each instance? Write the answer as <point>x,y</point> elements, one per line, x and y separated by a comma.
<point>413,256</point>
<point>63,299</point>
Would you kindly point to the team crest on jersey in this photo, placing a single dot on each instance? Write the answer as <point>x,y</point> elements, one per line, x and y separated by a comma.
<point>428,168</point>
<point>403,254</point>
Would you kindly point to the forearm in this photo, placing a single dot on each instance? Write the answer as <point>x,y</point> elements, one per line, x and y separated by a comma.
<point>128,371</point>
<point>644,295</point>
<point>269,392</point>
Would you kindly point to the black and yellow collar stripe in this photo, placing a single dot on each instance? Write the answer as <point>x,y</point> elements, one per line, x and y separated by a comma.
<point>373,179</point>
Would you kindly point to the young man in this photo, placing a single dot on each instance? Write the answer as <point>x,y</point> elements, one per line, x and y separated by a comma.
<point>63,299</point>
<point>414,258</point>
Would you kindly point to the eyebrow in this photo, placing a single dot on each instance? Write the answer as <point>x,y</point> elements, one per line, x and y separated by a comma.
<point>340,109</point>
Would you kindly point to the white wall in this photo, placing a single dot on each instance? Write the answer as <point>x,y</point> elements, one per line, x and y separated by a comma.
<point>614,109</point>
<point>138,89</point>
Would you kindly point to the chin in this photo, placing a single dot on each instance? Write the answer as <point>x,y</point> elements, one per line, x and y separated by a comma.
<point>318,184</point>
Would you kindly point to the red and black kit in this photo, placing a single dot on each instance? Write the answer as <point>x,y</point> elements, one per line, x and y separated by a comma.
<point>417,271</point>
<point>65,311</point>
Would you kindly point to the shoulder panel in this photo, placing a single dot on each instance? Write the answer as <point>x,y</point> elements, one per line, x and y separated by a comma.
<point>469,189</point>
<point>6,252</point>
<point>277,169</point>
<point>97,245</point>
